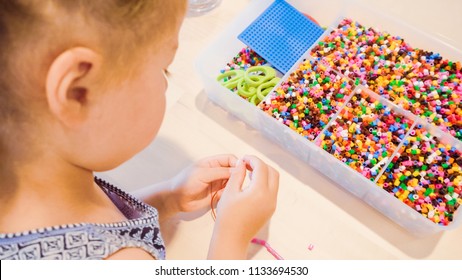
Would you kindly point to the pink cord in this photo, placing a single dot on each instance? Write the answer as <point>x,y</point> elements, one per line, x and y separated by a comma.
<point>268,248</point>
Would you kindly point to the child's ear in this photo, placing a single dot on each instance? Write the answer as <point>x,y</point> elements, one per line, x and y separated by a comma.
<point>69,83</point>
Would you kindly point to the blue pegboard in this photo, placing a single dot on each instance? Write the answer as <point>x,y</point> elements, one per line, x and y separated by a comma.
<point>281,35</point>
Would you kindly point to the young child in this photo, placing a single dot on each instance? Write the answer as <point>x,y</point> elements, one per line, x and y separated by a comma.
<point>82,90</point>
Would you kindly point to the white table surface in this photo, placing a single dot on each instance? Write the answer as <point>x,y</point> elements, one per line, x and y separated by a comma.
<point>311,208</point>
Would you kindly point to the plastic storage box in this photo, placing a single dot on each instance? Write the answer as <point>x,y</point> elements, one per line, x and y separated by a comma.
<point>225,47</point>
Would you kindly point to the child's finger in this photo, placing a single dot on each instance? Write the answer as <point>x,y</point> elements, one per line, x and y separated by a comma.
<point>237,177</point>
<point>259,171</point>
<point>226,160</point>
<point>218,185</point>
<point>209,175</point>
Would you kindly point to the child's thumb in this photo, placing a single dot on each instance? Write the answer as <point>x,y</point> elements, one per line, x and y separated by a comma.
<point>237,177</point>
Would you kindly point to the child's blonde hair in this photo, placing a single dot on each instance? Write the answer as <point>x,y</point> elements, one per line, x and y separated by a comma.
<point>34,32</point>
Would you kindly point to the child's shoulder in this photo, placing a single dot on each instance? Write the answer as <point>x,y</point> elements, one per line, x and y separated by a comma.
<point>91,240</point>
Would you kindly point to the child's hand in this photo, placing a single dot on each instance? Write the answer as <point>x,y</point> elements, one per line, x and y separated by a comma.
<point>243,210</point>
<point>192,188</point>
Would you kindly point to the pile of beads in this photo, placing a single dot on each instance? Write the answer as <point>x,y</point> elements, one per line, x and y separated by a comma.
<point>327,99</point>
<point>244,59</point>
<point>308,99</point>
<point>426,175</point>
<point>365,134</point>
<point>417,80</point>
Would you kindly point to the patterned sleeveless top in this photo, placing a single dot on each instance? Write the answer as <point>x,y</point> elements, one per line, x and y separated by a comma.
<point>90,240</point>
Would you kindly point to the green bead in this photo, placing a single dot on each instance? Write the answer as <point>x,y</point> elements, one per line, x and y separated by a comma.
<point>364,108</point>
<point>428,191</point>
